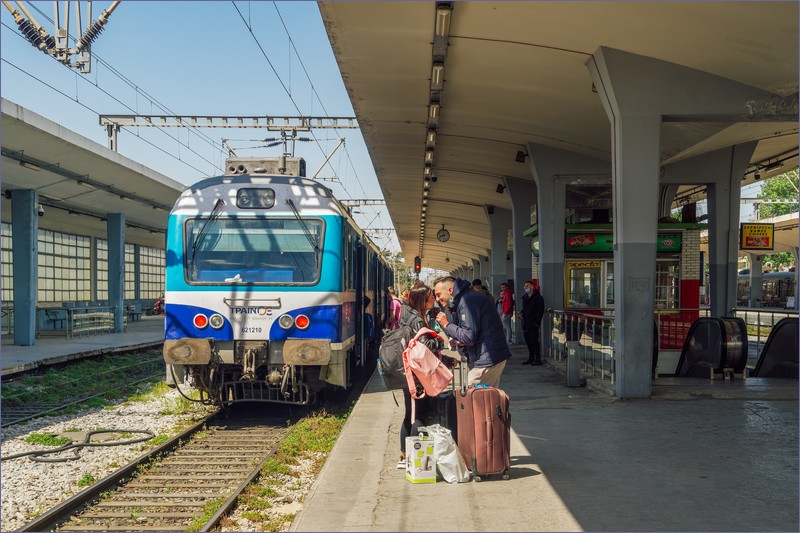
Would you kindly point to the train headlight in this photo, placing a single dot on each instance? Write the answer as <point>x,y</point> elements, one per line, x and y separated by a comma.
<point>200,321</point>
<point>286,321</point>
<point>216,321</point>
<point>301,322</point>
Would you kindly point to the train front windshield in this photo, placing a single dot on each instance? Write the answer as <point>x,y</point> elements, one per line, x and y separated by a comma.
<point>263,251</point>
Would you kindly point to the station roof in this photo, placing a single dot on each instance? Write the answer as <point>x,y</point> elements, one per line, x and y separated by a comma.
<point>77,176</point>
<point>515,73</point>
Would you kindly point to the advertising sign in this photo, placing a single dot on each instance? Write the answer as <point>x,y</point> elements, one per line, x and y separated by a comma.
<point>756,236</point>
<point>604,242</point>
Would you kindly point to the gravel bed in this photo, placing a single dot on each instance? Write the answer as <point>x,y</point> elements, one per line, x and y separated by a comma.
<point>286,501</point>
<point>29,488</point>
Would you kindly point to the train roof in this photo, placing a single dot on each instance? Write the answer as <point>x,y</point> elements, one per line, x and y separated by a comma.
<point>248,179</point>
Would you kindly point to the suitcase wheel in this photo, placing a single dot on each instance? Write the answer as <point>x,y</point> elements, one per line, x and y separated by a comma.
<point>506,476</point>
<point>477,479</point>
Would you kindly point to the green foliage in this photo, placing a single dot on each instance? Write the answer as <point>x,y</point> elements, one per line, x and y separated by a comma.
<point>46,439</point>
<point>208,511</point>
<point>782,187</point>
<point>158,440</point>
<point>86,480</point>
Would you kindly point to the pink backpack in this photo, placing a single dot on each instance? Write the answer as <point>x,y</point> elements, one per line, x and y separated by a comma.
<point>426,366</point>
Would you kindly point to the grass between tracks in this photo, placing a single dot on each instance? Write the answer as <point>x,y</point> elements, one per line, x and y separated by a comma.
<point>287,476</point>
<point>81,379</point>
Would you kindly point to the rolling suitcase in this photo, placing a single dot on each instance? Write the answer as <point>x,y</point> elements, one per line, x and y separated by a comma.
<point>484,435</point>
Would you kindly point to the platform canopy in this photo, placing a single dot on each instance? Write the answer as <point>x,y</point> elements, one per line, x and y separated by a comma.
<point>80,181</point>
<point>514,73</point>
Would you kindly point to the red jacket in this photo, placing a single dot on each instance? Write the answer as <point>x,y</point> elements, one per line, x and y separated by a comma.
<point>508,302</point>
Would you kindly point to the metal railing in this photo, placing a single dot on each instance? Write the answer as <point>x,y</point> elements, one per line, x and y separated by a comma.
<point>77,321</point>
<point>7,320</point>
<point>590,335</point>
<point>759,324</point>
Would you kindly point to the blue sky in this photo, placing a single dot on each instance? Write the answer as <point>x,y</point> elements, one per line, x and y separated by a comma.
<point>199,58</point>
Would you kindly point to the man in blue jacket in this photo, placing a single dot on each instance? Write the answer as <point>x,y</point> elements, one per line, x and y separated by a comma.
<point>476,327</point>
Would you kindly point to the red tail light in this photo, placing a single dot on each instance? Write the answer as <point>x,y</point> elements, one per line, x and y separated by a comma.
<point>200,321</point>
<point>301,321</point>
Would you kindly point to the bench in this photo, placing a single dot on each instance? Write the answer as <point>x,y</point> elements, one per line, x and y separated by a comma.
<point>134,312</point>
<point>93,320</point>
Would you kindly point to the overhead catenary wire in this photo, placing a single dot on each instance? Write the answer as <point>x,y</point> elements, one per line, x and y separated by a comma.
<point>96,112</point>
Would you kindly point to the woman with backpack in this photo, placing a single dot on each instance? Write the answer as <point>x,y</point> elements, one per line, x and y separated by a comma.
<point>420,301</point>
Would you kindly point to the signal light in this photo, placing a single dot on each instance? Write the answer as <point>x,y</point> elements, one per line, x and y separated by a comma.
<point>301,321</point>
<point>200,321</point>
<point>417,265</point>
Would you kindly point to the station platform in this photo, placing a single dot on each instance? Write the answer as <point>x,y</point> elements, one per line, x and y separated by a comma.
<point>144,333</point>
<point>696,456</point>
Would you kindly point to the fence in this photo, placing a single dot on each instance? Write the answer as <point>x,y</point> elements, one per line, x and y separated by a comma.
<point>592,335</point>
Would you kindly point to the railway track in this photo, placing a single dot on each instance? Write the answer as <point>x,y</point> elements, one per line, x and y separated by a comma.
<point>189,482</point>
<point>22,409</point>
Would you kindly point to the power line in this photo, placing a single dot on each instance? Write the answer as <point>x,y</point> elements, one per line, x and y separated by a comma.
<point>136,87</point>
<point>76,100</point>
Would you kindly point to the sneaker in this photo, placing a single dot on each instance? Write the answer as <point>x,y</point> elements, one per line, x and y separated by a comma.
<point>527,361</point>
<point>401,465</point>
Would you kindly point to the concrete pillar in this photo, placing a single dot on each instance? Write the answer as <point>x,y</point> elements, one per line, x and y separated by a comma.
<point>115,227</point>
<point>24,244</point>
<point>499,224</point>
<point>552,169</point>
<point>723,231</point>
<point>637,93</point>
<point>756,280</point>
<point>796,253</point>
<point>667,196</point>
<point>523,195</point>
<point>483,268</point>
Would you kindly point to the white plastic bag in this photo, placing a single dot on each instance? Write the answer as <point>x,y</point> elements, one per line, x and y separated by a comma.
<point>449,460</point>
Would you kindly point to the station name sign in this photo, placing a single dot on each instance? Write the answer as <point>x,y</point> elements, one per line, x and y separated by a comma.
<point>754,236</point>
<point>604,242</point>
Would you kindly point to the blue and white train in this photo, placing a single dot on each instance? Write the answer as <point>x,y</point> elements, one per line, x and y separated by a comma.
<point>273,293</point>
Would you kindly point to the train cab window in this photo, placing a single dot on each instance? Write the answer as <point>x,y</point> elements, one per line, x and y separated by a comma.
<point>264,251</point>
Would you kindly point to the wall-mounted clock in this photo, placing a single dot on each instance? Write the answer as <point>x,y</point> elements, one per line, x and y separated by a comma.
<point>443,235</point>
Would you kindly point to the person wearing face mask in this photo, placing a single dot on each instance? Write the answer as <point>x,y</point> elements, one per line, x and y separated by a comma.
<point>531,315</point>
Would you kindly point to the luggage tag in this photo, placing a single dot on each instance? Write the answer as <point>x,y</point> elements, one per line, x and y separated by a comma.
<point>481,386</point>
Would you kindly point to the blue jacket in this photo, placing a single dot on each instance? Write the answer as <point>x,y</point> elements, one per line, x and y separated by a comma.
<point>477,326</point>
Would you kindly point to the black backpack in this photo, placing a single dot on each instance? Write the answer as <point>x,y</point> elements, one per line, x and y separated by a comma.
<point>390,356</point>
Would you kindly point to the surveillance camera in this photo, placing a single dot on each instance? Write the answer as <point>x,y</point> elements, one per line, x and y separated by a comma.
<point>434,178</point>
<point>757,176</point>
<point>40,210</point>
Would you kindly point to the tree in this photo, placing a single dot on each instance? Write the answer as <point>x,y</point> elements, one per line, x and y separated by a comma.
<point>782,187</point>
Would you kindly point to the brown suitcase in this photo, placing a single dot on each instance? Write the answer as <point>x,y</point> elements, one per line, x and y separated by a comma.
<point>484,430</point>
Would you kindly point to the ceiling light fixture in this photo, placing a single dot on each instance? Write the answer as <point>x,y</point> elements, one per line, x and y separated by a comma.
<point>86,184</point>
<point>437,76</point>
<point>442,21</point>
<point>430,139</point>
<point>434,110</point>
<point>428,156</point>
<point>30,166</point>
<point>772,166</point>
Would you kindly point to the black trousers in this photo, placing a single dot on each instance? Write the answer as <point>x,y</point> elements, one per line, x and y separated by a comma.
<point>532,340</point>
<point>410,428</point>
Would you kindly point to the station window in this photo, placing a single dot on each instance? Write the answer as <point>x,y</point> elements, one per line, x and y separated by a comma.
<point>8,273</point>
<point>668,284</point>
<point>101,275</point>
<point>63,267</point>
<point>151,272</point>
<point>130,272</point>
<point>102,271</point>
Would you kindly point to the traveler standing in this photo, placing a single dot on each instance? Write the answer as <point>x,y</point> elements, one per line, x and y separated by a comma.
<point>420,301</point>
<point>531,315</point>
<point>476,327</point>
<point>505,308</point>
<point>477,286</point>
<point>394,310</point>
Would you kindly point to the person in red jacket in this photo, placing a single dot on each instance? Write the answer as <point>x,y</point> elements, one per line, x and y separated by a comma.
<point>505,308</point>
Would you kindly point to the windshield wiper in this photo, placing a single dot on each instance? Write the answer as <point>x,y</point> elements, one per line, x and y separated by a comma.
<point>310,236</point>
<point>203,230</point>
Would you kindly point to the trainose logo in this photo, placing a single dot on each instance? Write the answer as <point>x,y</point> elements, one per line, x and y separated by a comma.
<point>260,310</point>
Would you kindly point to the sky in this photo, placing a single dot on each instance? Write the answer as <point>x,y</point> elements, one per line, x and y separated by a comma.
<point>200,58</point>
